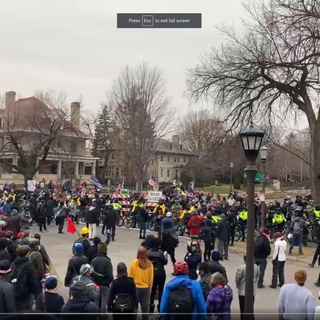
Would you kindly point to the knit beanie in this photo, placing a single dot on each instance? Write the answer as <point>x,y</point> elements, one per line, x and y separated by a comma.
<point>300,276</point>
<point>215,256</point>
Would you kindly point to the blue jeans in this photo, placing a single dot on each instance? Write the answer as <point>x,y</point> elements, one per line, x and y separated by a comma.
<point>296,241</point>
<point>143,228</point>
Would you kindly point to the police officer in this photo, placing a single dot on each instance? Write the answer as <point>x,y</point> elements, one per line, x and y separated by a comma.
<point>232,220</point>
<point>242,218</point>
<point>278,220</point>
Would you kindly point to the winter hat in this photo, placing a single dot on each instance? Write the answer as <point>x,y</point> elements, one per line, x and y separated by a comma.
<point>84,268</point>
<point>51,283</point>
<point>215,256</point>
<point>78,248</point>
<point>277,235</point>
<point>266,231</point>
<point>20,235</point>
<point>79,290</point>
<point>96,241</point>
<point>4,267</point>
<point>300,276</point>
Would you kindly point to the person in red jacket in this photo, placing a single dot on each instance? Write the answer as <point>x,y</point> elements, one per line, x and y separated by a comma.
<point>195,224</point>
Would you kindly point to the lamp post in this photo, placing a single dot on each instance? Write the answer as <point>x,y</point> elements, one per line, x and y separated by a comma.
<point>231,167</point>
<point>263,156</point>
<point>251,140</point>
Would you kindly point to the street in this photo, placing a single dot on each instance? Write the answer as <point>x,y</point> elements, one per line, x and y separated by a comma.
<point>124,250</point>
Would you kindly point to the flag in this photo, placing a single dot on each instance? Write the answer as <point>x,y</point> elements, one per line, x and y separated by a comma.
<point>153,183</point>
<point>70,226</point>
<point>119,186</point>
<point>95,182</point>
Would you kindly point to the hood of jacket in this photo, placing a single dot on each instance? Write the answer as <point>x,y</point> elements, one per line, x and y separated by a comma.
<point>77,305</point>
<point>220,293</point>
<point>179,281</point>
<point>20,261</point>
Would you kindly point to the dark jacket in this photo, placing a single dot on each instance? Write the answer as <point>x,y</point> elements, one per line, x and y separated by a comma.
<point>52,302</point>
<point>73,269</point>
<point>7,297</point>
<point>103,270</point>
<point>93,252</point>
<point>86,246</point>
<point>262,248</point>
<point>223,230</point>
<point>24,264</point>
<point>158,260</point>
<point>14,225</point>
<point>37,262</point>
<point>83,305</point>
<point>124,285</point>
<point>92,215</point>
<point>217,267</point>
<point>45,258</point>
<point>192,260</point>
<point>50,205</point>
<point>110,217</point>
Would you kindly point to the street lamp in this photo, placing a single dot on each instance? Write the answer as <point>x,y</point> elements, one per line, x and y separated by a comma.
<point>263,156</point>
<point>251,140</point>
<point>231,166</point>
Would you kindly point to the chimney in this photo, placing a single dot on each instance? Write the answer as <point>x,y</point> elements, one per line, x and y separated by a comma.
<point>10,98</point>
<point>75,113</point>
<point>175,140</point>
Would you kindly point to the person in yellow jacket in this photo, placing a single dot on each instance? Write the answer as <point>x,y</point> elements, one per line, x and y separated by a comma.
<point>137,204</point>
<point>160,208</point>
<point>242,218</point>
<point>189,209</point>
<point>278,221</point>
<point>141,270</point>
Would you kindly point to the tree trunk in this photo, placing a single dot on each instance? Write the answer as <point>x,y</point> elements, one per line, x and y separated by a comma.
<point>27,176</point>
<point>315,164</point>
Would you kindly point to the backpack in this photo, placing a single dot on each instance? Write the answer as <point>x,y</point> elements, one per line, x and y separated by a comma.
<point>181,301</point>
<point>123,303</point>
<point>19,281</point>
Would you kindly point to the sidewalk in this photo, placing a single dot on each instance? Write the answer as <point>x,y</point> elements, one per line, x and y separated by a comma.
<point>240,247</point>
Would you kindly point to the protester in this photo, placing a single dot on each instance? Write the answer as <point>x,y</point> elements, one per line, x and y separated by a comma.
<point>295,301</point>
<point>7,297</point>
<point>141,270</point>
<point>43,252</point>
<point>205,279</point>
<point>50,301</point>
<point>193,258</point>
<point>123,297</point>
<point>241,284</point>
<point>219,298</point>
<point>215,266</point>
<point>223,235</point>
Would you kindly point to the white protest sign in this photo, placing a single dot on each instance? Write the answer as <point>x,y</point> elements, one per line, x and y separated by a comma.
<point>154,196</point>
<point>31,185</point>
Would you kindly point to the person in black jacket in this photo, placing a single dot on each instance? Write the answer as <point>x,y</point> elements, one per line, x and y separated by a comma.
<point>261,252</point>
<point>44,254</point>
<point>93,251</point>
<point>79,303</point>
<point>193,258</point>
<point>4,254</point>
<point>159,260</point>
<point>215,266</point>
<point>110,220</point>
<point>7,297</point>
<point>84,232</point>
<point>75,264</point>
<point>206,234</point>
<point>50,301</point>
<point>143,219</point>
<point>23,291</point>
<point>223,235</point>
<point>103,274</point>
<point>92,218</point>
<point>123,291</point>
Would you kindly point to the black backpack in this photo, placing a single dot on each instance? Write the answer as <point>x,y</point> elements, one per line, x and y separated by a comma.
<point>19,281</point>
<point>181,301</point>
<point>123,303</point>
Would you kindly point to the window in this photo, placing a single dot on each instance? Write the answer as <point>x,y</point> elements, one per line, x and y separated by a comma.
<point>174,159</point>
<point>176,174</point>
<point>168,159</point>
<point>161,173</point>
<point>117,172</point>
<point>73,147</point>
<point>170,146</point>
<point>180,147</point>
<point>178,159</point>
<point>161,158</point>
<point>112,156</point>
<point>168,173</point>
<point>110,172</point>
<point>184,160</point>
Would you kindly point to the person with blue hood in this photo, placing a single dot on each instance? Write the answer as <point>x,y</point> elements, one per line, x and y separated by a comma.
<point>75,264</point>
<point>182,296</point>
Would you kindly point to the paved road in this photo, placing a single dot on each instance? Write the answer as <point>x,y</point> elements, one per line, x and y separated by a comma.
<point>124,250</point>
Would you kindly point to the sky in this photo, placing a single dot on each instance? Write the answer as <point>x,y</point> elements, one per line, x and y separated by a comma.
<point>74,46</point>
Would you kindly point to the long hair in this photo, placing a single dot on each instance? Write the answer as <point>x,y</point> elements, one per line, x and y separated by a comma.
<point>142,257</point>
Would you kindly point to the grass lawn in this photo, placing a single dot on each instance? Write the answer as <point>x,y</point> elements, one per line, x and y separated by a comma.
<point>225,189</point>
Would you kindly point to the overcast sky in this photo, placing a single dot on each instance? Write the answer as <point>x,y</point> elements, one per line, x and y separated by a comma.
<point>74,45</point>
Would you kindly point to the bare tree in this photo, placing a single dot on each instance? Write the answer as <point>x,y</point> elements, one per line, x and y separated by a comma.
<point>31,130</point>
<point>270,71</point>
<point>143,112</point>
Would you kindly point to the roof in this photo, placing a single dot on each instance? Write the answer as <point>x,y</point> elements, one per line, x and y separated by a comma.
<point>164,147</point>
<point>32,114</point>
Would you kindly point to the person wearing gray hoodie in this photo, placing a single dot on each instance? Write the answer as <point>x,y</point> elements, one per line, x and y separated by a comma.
<point>205,279</point>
